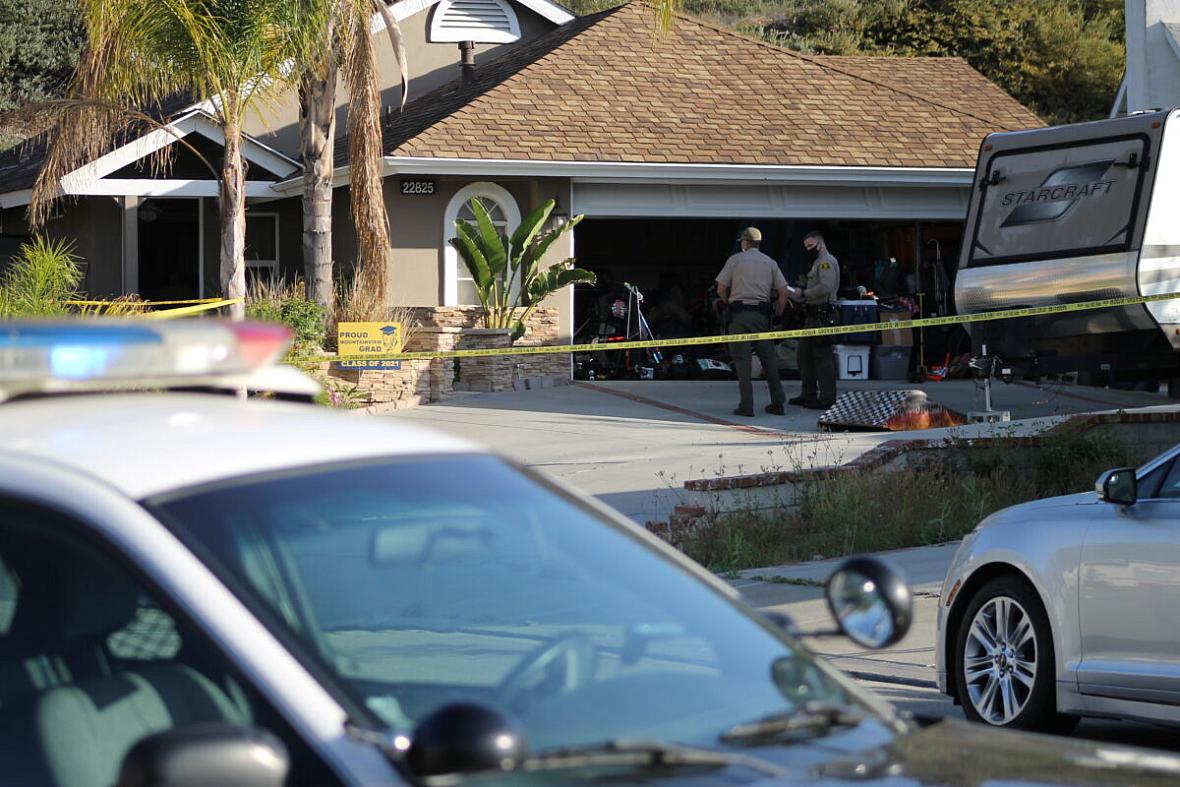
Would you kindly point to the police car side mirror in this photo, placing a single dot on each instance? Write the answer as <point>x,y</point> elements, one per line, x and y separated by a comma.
<point>871,602</point>
<point>198,754</point>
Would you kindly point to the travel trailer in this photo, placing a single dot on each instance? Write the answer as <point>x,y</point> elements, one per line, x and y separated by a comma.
<point>1077,213</point>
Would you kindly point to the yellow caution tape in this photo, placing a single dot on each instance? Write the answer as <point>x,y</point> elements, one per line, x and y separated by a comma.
<point>143,303</point>
<point>800,333</point>
<point>184,311</point>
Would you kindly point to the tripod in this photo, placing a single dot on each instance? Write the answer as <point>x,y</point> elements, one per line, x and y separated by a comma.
<point>637,327</point>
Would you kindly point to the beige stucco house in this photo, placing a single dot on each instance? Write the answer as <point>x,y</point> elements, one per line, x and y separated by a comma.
<point>667,142</point>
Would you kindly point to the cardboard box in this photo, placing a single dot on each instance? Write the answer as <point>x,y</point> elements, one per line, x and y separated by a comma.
<point>897,336</point>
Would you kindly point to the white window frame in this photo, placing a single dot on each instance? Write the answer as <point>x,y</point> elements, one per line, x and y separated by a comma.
<point>453,269</point>
<point>480,35</point>
<point>273,265</point>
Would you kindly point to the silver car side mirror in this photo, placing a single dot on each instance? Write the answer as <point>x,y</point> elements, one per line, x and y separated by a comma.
<point>870,601</point>
<point>1118,486</point>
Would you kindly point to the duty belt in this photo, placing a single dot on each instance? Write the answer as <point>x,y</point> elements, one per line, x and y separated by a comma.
<point>738,307</point>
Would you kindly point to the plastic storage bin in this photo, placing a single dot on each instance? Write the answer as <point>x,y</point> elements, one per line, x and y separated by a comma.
<point>852,361</point>
<point>890,362</point>
<point>858,313</point>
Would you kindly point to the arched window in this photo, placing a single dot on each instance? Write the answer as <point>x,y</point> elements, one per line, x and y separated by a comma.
<point>458,286</point>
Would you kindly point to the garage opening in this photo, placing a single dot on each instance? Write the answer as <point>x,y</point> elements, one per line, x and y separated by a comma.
<point>664,270</point>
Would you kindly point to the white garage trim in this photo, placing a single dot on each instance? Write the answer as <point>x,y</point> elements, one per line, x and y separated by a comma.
<point>759,201</point>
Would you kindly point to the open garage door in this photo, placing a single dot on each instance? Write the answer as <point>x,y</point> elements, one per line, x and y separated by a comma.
<point>673,262</point>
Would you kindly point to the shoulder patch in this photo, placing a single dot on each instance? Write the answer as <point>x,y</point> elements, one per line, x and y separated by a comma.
<point>824,266</point>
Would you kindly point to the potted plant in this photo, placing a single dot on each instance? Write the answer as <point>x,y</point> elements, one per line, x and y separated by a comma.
<point>507,270</point>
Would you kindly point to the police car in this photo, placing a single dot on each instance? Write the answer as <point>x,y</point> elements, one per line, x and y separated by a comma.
<point>201,589</point>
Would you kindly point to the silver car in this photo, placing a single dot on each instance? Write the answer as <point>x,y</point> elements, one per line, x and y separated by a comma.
<point>1068,607</point>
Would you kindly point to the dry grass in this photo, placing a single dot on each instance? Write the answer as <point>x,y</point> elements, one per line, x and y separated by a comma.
<point>123,306</point>
<point>851,513</point>
<point>356,302</point>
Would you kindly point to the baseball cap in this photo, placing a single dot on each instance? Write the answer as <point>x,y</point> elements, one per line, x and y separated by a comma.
<point>751,234</point>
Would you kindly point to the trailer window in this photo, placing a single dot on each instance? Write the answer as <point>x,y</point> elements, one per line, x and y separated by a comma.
<point>1060,201</point>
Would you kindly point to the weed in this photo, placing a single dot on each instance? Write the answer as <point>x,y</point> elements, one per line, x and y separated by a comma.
<point>286,302</point>
<point>356,303</point>
<point>42,277</point>
<point>847,512</point>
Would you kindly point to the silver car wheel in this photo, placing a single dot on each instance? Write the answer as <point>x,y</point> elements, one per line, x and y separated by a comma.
<point>1000,660</point>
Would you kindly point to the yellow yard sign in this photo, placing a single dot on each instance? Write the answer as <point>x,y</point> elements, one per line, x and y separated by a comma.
<point>369,338</point>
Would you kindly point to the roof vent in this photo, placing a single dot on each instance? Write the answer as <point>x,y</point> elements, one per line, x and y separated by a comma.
<point>481,21</point>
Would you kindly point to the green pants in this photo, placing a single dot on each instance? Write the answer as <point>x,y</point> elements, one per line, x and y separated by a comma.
<point>817,368</point>
<point>754,322</point>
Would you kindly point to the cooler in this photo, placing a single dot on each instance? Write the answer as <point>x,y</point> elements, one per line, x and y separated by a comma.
<point>858,313</point>
<point>852,361</point>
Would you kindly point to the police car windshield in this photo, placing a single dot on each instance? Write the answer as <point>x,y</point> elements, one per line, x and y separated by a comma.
<point>425,582</point>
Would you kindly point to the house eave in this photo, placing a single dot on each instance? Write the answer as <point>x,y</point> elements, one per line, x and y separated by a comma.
<point>640,172</point>
<point>644,172</point>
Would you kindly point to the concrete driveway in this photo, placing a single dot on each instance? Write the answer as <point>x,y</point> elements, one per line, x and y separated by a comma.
<point>633,444</point>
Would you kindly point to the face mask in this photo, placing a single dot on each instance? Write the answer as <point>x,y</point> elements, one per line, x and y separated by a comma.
<point>813,254</point>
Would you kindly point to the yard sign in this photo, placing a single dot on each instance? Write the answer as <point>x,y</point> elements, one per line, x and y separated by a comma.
<point>369,338</point>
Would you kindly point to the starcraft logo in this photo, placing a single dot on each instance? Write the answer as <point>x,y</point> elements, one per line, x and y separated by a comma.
<point>1060,191</point>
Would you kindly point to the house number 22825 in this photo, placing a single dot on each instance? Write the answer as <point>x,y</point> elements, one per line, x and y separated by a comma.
<point>417,187</point>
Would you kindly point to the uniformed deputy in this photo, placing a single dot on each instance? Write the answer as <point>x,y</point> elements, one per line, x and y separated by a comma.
<point>817,370</point>
<point>753,287</point>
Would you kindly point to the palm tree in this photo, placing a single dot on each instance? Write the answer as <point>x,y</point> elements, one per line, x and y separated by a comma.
<point>345,42</point>
<point>232,54</point>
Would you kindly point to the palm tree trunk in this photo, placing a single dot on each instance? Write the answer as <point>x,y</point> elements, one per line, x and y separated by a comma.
<point>317,135</point>
<point>232,204</point>
<point>366,160</point>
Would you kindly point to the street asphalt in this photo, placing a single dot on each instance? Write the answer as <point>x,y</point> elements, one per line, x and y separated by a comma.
<point>903,674</point>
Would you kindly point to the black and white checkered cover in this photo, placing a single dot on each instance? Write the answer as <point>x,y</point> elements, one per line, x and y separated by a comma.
<point>864,409</point>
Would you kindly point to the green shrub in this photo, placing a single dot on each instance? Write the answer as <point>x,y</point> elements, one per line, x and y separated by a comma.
<point>287,303</point>
<point>43,276</point>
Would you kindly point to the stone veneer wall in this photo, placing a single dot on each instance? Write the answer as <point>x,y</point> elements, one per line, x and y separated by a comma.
<point>515,371</point>
<point>417,382</point>
<point>453,328</point>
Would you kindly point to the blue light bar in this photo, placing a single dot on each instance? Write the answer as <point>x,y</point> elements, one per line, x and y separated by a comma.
<point>100,354</point>
<point>49,334</point>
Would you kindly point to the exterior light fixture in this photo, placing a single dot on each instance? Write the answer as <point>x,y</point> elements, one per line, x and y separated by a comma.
<point>559,217</point>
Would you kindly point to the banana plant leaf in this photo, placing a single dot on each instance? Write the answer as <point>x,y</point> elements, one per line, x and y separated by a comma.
<point>493,244</point>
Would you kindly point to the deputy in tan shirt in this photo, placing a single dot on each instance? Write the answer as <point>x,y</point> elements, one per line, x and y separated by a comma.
<point>753,287</point>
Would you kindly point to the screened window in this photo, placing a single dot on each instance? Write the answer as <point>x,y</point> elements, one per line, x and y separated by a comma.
<point>262,244</point>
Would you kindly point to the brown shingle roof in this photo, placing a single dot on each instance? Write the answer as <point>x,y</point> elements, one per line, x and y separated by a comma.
<point>606,88</point>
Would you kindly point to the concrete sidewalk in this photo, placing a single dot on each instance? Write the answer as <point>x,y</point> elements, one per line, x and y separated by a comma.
<point>633,444</point>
